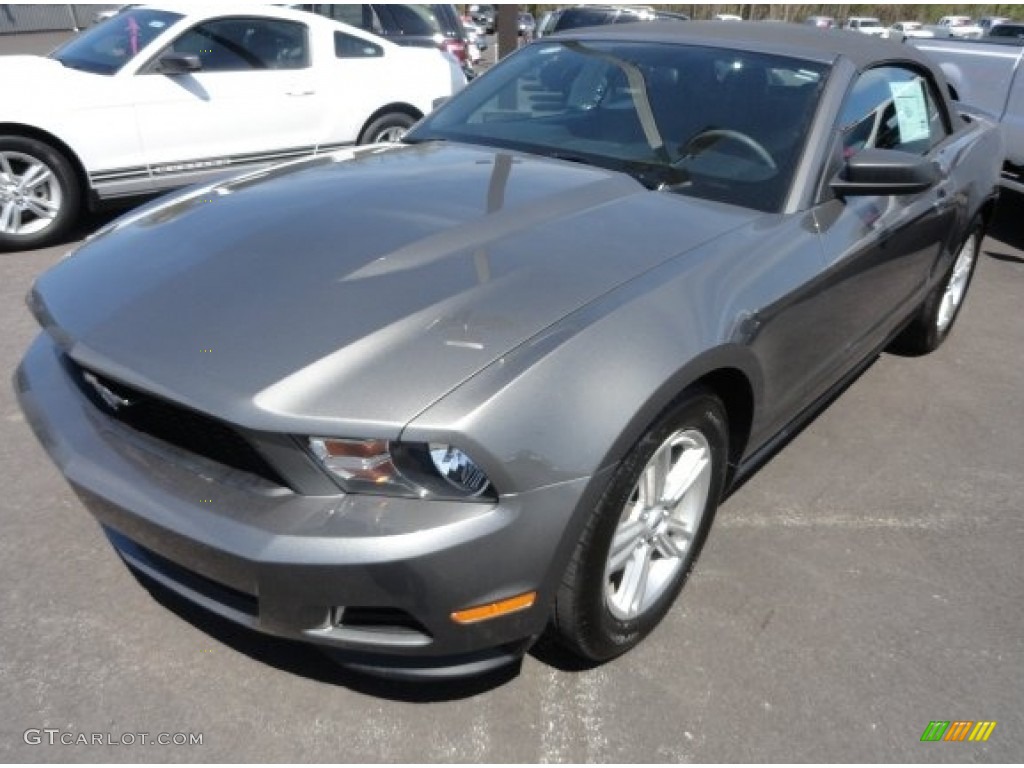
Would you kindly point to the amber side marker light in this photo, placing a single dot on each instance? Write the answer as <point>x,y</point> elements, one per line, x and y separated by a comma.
<point>494,610</point>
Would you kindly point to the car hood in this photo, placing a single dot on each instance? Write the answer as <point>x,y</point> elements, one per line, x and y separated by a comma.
<point>39,84</point>
<point>349,292</point>
<point>33,73</point>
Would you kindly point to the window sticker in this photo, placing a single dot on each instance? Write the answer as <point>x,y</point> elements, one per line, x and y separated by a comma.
<point>911,110</point>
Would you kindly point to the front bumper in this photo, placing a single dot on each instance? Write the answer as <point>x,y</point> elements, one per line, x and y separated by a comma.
<point>375,578</point>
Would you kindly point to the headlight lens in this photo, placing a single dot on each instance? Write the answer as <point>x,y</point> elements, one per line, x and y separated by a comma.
<point>383,467</point>
<point>458,470</point>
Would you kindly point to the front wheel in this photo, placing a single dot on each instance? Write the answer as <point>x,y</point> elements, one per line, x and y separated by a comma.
<point>934,320</point>
<point>39,194</point>
<point>646,532</point>
<point>387,128</point>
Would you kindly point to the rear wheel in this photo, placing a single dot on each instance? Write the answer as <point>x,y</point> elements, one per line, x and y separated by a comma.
<point>387,128</point>
<point>935,319</point>
<point>646,532</point>
<point>39,194</point>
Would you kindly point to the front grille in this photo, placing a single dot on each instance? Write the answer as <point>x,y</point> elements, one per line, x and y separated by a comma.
<point>208,588</point>
<point>183,427</point>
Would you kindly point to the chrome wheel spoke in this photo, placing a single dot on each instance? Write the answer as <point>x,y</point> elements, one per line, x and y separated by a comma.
<point>652,483</point>
<point>6,172</point>
<point>44,209</point>
<point>36,174</point>
<point>684,474</point>
<point>677,529</point>
<point>10,218</point>
<point>624,544</point>
<point>666,546</point>
<point>634,581</point>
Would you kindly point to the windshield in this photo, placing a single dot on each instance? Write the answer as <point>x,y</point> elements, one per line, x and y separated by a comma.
<point>706,122</point>
<point>108,46</point>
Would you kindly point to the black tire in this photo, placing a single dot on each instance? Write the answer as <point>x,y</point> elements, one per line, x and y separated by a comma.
<point>60,192</point>
<point>585,618</point>
<point>387,127</point>
<point>934,320</point>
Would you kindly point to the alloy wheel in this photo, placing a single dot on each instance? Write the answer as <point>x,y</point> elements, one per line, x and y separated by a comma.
<point>654,537</point>
<point>390,135</point>
<point>30,194</point>
<point>953,296</point>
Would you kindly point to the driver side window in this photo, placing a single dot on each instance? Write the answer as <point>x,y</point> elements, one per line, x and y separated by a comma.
<point>891,108</point>
<point>239,44</point>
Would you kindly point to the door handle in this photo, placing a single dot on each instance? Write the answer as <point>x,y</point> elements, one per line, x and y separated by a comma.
<point>300,92</point>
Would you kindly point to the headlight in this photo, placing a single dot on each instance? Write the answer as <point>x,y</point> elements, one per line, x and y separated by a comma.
<point>458,470</point>
<point>383,467</point>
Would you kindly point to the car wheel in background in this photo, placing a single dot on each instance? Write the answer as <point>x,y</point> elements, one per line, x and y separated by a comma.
<point>39,194</point>
<point>387,128</point>
<point>644,537</point>
<point>935,319</point>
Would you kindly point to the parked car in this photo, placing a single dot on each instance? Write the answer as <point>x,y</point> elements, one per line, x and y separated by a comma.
<point>988,22</point>
<point>477,38</point>
<point>668,16</point>
<point>527,25</point>
<point>484,16</point>
<point>1006,32</point>
<point>866,25</point>
<point>597,15</point>
<point>960,26</point>
<point>726,17</point>
<point>901,30</point>
<point>154,99</point>
<point>414,403</point>
<point>424,26</point>
<point>822,22</point>
<point>988,75</point>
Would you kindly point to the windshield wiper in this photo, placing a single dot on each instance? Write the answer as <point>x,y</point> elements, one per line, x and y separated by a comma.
<point>651,175</point>
<point>663,178</point>
<point>570,158</point>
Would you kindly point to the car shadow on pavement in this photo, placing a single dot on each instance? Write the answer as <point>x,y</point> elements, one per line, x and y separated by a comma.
<point>308,661</point>
<point>547,651</point>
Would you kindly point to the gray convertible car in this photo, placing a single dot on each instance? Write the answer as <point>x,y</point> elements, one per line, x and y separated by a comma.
<point>421,403</point>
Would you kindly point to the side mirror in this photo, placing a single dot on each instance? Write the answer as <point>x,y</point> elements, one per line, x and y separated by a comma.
<point>885,172</point>
<point>178,64</point>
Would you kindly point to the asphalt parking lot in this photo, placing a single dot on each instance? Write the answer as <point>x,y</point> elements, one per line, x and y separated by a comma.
<point>866,582</point>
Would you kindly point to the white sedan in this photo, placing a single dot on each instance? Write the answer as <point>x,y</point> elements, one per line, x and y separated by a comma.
<point>161,97</point>
<point>901,30</point>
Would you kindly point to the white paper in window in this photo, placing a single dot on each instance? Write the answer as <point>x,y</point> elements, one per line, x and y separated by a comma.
<point>911,110</point>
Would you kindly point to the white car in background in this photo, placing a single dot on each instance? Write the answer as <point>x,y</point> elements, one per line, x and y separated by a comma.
<point>901,30</point>
<point>961,26</point>
<point>159,97</point>
<point>866,25</point>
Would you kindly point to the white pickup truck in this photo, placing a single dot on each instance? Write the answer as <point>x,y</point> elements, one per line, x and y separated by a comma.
<point>988,76</point>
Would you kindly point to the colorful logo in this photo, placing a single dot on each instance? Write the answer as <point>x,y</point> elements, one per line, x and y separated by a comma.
<point>958,730</point>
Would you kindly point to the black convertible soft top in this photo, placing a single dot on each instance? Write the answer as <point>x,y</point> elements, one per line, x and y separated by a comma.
<point>796,40</point>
